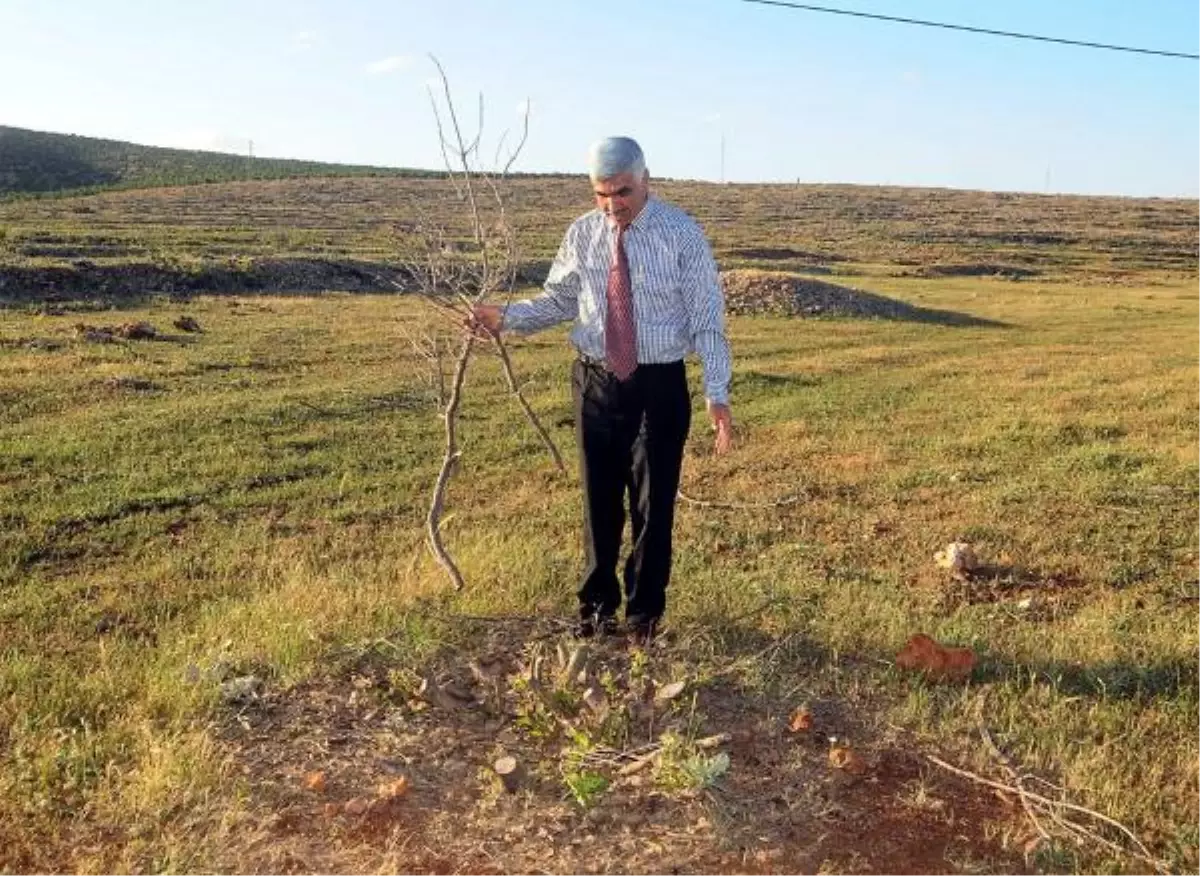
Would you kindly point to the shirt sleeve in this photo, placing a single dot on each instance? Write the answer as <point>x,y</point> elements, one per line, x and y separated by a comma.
<point>559,301</point>
<point>705,304</point>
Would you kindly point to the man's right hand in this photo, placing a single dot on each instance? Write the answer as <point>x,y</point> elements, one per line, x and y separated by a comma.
<point>489,317</point>
<point>722,421</point>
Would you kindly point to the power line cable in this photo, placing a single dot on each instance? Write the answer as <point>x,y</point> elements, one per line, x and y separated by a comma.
<point>1004,33</point>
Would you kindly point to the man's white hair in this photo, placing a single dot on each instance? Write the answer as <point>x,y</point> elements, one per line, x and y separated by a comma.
<point>614,156</point>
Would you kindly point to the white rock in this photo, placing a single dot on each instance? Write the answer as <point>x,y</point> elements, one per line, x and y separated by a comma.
<point>240,689</point>
<point>958,557</point>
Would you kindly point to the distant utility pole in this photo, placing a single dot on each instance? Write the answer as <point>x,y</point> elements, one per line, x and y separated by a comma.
<point>251,149</point>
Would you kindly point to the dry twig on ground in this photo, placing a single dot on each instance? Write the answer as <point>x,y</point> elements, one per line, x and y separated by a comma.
<point>1056,810</point>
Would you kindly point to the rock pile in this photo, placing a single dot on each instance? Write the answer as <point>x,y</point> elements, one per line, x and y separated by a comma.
<point>779,293</point>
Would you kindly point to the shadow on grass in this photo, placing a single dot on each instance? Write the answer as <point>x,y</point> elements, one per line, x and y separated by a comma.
<point>858,302</point>
<point>791,653</point>
<point>1169,679</point>
<point>753,379</point>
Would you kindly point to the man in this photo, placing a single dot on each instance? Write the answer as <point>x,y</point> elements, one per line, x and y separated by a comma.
<point>637,277</point>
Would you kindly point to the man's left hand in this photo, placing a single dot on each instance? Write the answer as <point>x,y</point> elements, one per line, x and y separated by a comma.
<point>722,420</point>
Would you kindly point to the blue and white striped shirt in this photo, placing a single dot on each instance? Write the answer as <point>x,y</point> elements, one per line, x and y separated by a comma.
<point>677,299</point>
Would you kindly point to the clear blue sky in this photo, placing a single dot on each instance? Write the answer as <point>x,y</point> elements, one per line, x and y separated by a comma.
<point>796,95</point>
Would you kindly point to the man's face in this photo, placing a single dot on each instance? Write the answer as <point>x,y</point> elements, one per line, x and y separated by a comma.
<point>622,196</point>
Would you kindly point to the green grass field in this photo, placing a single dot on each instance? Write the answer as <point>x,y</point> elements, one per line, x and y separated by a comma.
<point>249,500</point>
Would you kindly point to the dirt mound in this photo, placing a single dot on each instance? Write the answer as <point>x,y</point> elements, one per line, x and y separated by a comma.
<point>632,761</point>
<point>977,269</point>
<point>135,280</point>
<point>776,253</point>
<point>781,293</point>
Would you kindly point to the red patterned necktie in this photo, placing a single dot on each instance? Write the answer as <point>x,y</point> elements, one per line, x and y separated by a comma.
<point>620,333</point>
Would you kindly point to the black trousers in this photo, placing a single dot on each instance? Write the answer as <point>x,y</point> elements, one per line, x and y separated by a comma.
<point>631,437</point>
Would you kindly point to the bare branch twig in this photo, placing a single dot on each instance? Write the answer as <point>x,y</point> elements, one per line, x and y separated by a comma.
<point>464,156</point>
<point>1052,808</point>
<point>529,414</point>
<point>455,285</point>
<point>520,145</point>
<point>1017,780</point>
<point>450,416</point>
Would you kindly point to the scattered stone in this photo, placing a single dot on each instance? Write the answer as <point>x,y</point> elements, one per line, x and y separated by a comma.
<point>959,558</point>
<point>129,331</point>
<point>595,700</point>
<point>187,324</point>
<point>241,689</point>
<point>936,662</point>
<point>489,669</point>
<point>782,293</point>
<point>669,691</point>
<point>130,384</point>
<point>136,331</point>
<point>576,664</point>
<point>393,789</point>
<point>444,696</point>
<point>843,757</point>
<point>93,334</point>
<point>802,720</point>
<point>977,269</point>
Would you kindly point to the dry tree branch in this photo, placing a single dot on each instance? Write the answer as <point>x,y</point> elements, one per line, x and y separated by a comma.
<point>529,414</point>
<point>433,525</point>
<point>1053,810</point>
<point>520,145</point>
<point>632,760</point>
<point>443,143</point>
<point>454,286</point>
<point>436,356</point>
<point>427,345</point>
<point>751,659</point>
<point>511,283</point>
<point>1017,779</point>
<point>474,147</point>
<point>499,149</point>
<point>464,157</point>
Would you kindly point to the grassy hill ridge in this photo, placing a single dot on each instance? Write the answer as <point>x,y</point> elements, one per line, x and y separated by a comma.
<point>39,162</point>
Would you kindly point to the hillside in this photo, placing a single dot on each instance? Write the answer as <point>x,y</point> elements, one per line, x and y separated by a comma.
<point>40,162</point>
<point>311,234</point>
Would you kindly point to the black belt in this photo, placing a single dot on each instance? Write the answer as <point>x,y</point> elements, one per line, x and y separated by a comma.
<point>593,362</point>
